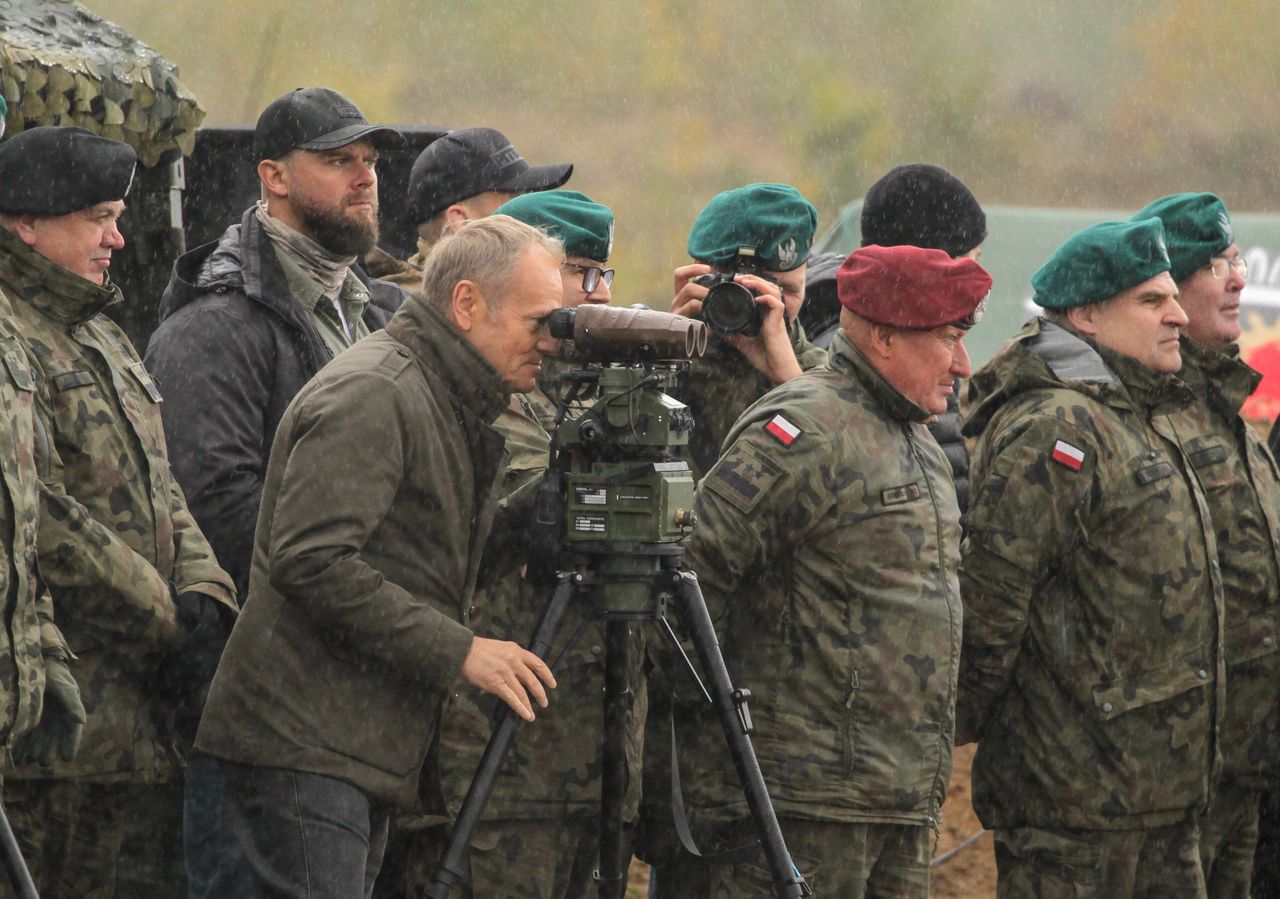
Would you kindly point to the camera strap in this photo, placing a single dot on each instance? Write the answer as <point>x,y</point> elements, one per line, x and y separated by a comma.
<point>737,855</point>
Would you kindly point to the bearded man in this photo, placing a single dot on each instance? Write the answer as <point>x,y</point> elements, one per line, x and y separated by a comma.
<point>245,322</point>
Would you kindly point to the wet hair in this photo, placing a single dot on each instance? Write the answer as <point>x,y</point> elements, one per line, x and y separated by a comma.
<point>485,251</point>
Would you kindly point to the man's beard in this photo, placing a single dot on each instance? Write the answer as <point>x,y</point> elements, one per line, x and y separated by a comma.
<point>339,234</point>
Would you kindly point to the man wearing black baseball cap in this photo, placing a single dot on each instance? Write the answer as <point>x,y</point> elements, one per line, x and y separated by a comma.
<point>246,321</point>
<point>465,175</point>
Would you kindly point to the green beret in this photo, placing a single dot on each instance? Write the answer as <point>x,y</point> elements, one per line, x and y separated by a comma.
<point>1196,228</point>
<point>1101,261</point>
<point>774,219</point>
<point>57,169</point>
<point>582,225</point>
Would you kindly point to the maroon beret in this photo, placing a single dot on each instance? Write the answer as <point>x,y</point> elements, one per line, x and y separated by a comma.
<point>911,287</point>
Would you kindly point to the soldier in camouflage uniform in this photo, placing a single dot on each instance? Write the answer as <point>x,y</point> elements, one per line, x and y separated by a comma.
<point>1239,479</point>
<point>778,223</point>
<point>836,507</point>
<point>460,177</point>
<point>539,835</point>
<point>134,583</point>
<point>1092,670</point>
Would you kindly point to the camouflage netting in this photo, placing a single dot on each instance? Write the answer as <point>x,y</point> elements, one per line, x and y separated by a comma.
<point>63,65</point>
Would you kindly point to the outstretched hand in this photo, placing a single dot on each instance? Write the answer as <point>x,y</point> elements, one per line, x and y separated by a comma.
<point>510,672</point>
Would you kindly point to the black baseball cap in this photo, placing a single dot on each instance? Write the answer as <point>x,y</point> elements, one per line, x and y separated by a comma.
<point>471,161</point>
<point>315,118</point>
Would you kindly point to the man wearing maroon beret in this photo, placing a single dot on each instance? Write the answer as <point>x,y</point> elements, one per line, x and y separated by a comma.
<point>827,544</point>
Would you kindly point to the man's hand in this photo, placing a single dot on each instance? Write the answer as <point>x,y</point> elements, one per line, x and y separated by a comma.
<point>61,722</point>
<point>509,672</point>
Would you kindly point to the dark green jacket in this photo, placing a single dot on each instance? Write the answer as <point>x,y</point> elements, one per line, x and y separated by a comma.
<point>1092,674</point>
<point>116,540</point>
<point>365,562</point>
<point>1240,482</point>
<point>829,566</point>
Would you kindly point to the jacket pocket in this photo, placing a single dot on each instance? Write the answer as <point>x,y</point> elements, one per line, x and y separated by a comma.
<point>1250,640</point>
<point>1112,699</point>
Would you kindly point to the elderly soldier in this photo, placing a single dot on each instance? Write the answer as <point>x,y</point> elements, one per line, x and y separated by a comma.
<point>105,824</point>
<point>461,177</point>
<point>540,831</point>
<point>245,322</point>
<point>1240,482</point>
<point>327,698</point>
<point>836,506</point>
<point>1092,673</point>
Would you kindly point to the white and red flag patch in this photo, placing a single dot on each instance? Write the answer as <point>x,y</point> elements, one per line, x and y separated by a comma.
<point>782,430</point>
<point>1068,455</point>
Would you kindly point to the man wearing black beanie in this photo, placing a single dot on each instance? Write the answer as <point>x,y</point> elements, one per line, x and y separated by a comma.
<point>926,206</point>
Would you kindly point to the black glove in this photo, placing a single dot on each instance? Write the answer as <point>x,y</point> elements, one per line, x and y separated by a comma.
<point>61,722</point>
<point>188,668</point>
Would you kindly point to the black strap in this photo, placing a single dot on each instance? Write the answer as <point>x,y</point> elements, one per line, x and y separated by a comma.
<point>746,853</point>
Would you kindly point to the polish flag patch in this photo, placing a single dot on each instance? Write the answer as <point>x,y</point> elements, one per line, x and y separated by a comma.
<point>1068,455</point>
<point>782,430</point>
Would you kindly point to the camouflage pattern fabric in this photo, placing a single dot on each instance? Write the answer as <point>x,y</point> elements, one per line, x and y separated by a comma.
<point>28,633</point>
<point>115,537</point>
<point>530,859</point>
<point>828,563</point>
<point>851,861</point>
<point>1161,863</point>
<point>1091,672</point>
<point>720,387</point>
<point>1228,838</point>
<point>98,841</point>
<point>407,275</point>
<point>553,768</point>
<point>63,65</point>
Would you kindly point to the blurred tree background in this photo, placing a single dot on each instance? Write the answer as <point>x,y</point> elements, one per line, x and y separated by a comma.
<point>662,103</point>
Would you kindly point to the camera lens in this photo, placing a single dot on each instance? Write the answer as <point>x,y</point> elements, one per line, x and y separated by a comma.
<point>730,308</point>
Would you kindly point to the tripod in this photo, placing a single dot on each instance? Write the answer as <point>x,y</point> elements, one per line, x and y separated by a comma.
<point>630,582</point>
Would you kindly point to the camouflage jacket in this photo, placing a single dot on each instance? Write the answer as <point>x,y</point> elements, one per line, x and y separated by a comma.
<point>28,633</point>
<point>406,274</point>
<point>828,562</point>
<point>1091,671</point>
<point>721,385</point>
<point>116,541</point>
<point>553,768</point>
<point>1240,482</point>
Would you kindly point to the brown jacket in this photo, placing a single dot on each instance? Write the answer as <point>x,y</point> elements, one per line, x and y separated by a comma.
<point>378,499</point>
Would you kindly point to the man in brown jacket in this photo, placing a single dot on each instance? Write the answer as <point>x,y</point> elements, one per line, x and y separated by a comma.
<point>378,500</point>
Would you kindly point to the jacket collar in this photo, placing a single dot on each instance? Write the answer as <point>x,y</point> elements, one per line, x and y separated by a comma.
<point>50,289</point>
<point>443,350</point>
<point>1220,375</point>
<point>848,359</point>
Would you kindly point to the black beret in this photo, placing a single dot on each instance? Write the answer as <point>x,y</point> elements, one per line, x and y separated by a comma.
<point>57,169</point>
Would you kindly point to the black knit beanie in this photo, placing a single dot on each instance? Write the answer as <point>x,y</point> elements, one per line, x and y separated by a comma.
<point>923,206</point>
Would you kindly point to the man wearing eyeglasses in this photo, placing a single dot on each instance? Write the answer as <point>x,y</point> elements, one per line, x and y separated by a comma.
<point>465,175</point>
<point>1241,484</point>
<point>540,831</point>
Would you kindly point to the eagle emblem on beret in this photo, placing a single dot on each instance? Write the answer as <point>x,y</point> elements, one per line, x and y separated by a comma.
<point>788,254</point>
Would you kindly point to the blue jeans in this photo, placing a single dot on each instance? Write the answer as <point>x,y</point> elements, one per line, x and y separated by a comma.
<point>216,868</point>
<point>306,836</point>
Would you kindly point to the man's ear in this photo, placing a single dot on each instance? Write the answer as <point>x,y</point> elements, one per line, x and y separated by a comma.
<point>24,226</point>
<point>882,339</point>
<point>274,176</point>
<point>455,217</point>
<point>466,305</point>
<point>1081,318</point>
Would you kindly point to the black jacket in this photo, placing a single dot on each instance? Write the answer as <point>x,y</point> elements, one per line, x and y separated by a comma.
<point>232,350</point>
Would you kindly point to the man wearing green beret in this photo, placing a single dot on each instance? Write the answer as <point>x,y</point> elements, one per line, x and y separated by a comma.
<point>1091,675</point>
<point>1240,482</point>
<point>540,831</point>
<point>134,582</point>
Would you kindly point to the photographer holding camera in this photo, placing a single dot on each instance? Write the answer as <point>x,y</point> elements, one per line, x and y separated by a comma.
<point>759,236</point>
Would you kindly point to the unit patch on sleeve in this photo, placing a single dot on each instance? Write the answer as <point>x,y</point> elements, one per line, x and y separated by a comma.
<point>1068,455</point>
<point>742,477</point>
<point>782,430</point>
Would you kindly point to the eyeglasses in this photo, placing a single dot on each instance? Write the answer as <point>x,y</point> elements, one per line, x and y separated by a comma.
<point>1222,266</point>
<point>592,275</point>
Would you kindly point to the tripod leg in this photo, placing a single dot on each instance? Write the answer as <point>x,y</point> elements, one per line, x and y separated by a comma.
<point>451,865</point>
<point>787,880</point>
<point>19,877</point>
<point>611,877</point>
